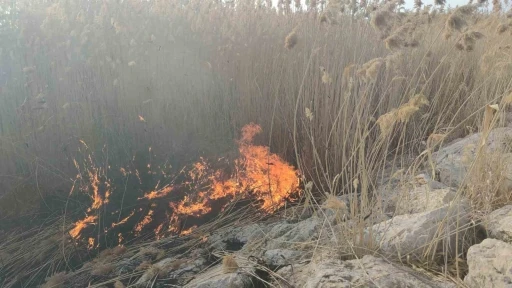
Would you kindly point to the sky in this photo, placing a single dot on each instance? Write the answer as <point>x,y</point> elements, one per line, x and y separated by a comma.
<point>453,3</point>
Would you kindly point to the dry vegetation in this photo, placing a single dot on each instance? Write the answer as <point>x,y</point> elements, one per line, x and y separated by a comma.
<point>349,92</point>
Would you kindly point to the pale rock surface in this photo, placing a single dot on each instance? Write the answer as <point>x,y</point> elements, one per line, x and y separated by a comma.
<point>452,160</point>
<point>411,234</point>
<point>490,265</point>
<point>499,224</point>
<point>369,271</point>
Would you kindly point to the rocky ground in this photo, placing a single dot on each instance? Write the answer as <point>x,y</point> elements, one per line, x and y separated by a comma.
<point>424,218</point>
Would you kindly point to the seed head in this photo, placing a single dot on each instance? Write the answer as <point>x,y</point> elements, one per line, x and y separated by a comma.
<point>229,264</point>
<point>291,40</point>
<point>393,42</point>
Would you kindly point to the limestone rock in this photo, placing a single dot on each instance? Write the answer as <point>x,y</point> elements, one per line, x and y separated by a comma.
<point>499,224</point>
<point>170,268</point>
<point>412,234</point>
<point>418,194</point>
<point>286,235</point>
<point>217,276</point>
<point>279,257</point>
<point>452,161</point>
<point>219,279</point>
<point>490,265</point>
<point>369,271</point>
<point>422,199</point>
<point>233,239</point>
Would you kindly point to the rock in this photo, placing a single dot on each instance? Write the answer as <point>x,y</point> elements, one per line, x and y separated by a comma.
<point>419,194</point>
<point>490,265</point>
<point>285,235</point>
<point>279,257</point>
<point>366,272</point>
<point>453,161</point>
<point>422,199</point>
<point>412,234</point>
<point>499,224</point>
<point>424,179</point>
<point>217,277</point>
<point>234,239</point>
<point>180,270</point>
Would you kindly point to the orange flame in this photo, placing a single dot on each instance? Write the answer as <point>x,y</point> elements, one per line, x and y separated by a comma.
<point>145,221</point>
<point>97,200</point>
<point>258,171</point>
<point>265,174</point>
<point>191,208</point>
<point>124,220</point>
<point>81,224</point>
<point>158,231</point>
<point>188,231</point>
<point>158,193</point>
<point>91,244</point>
<point>94,184</point>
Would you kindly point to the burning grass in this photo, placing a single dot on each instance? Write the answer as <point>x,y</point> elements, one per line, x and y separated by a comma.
<point>77,114</point>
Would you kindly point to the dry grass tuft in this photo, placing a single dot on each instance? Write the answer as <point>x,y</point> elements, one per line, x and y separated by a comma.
<point>152,252</point>
<point>326,78</point>
<point>229,264</point>
<point>178,263</point>
<point>507,100</point>
<point>370,70</point>
<point>112,252</point>
<point>334,203</point>
<point>144,265</point>
<point>348,71</point>
<point>56,280</point>
<point>102,269</point>
<point>381,20</point>
<point>291,40</point>
<point>393,42</point>
<point>455,22</point>
<point>402,114</point>
<point>153,271</point>
<point>119,284</point>
<point>502,28</point>
<point>386,122</point>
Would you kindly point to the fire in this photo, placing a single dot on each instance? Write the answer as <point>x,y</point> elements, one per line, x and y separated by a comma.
<point>188,231</point>
<point>124,220</point>
<point>145,221</point>
<point>91,244</point>
<point>158,193</point>
<point>258,172</point>
<point>249,131</point>
<point>199,169</point>
<point>265,174</point>
<point>191,208</point>
<point>96,197</point>
<point>81,224</point>
<point>158,231</point>
<point>96,183</point>
<point>198,190</point>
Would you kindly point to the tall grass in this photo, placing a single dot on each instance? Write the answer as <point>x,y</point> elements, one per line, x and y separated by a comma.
<point>335,87</point>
